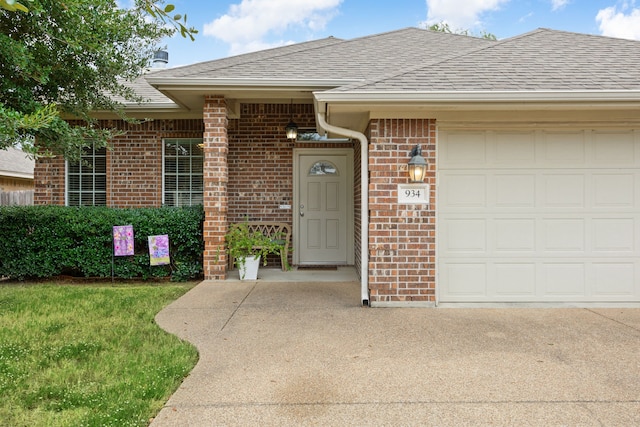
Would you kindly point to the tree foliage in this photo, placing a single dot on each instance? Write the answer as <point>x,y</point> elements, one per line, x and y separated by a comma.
<point>12,6</point>
<point>71,58</point>
<point>443,27</point>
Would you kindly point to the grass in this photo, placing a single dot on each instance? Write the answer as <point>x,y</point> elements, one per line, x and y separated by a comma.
<point>86,355</point>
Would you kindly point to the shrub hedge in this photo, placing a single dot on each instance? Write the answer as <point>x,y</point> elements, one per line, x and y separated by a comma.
<point>47,241</point>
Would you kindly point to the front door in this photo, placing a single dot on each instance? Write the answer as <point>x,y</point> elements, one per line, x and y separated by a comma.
<point>323,207</point>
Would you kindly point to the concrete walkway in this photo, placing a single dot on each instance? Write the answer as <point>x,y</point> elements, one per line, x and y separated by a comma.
<point>299,353</point>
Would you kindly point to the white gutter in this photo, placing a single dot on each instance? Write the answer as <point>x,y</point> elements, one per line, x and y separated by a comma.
<point>17,174</point>
<point>364,209</point>
<point>479,96</point>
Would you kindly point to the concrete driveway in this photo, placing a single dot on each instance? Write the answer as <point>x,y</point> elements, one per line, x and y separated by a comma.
<point>297,353</point>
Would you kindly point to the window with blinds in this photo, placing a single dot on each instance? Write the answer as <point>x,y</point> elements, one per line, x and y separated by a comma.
<point>183,179</point>
<point>87,179</point>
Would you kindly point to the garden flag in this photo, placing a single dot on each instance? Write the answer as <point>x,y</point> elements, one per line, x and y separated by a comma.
<point>159,250</point>
<point>123,240</point>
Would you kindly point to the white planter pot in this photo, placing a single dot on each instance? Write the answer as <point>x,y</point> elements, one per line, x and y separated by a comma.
<point>248,269</point>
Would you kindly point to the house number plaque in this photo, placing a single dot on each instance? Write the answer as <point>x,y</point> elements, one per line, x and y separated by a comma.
<point>413,194</point>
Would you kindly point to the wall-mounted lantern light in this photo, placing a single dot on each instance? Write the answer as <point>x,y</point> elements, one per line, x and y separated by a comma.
<point>417,165</point>
<point>291,129</point>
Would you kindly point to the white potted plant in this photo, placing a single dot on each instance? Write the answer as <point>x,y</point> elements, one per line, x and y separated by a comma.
<point>247,248</point>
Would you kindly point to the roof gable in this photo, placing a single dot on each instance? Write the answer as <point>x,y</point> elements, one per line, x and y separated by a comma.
<point>360,59</point>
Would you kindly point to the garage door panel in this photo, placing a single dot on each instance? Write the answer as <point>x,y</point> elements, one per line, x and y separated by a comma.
<point>515,190</point>
<point>564,279</point>
<point>464,148</point>
<point>515,235</point>
<point>614,149</point>
<point>515,149</point>
<point>563,190</point>
<point>481,280</point>
<point>615,279</point>
<point>614,235</point>
<point>614,190</point>
<point>465,190</point>
<point>563,235</point>
<point>465,235</point>
<point>567,149</point>
<point>515,279</point>
<point>466,279</point>
<point>539,216</point>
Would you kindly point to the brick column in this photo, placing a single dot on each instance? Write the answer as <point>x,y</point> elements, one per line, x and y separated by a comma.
<point>401,236</point>
<point>216,148</point>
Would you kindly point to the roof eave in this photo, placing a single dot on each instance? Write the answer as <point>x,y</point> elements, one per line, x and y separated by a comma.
<point>153,106</point>
<point>177,83</point>
<point>478,96</point>
<point>14,174</point>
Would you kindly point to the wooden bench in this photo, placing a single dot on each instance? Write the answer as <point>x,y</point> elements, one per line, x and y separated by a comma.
<point>277,232</point>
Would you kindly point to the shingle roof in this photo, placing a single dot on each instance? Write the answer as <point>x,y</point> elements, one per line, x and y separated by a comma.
<point>414,61</point>
<point>542,60</point>
<point>331,58</point>
<point>227,66</point>
<point>142,88</point>
<point>15,163</point>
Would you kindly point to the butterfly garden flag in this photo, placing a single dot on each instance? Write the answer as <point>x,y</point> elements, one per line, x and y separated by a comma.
<point>123,240</point>
<point>159,250</point>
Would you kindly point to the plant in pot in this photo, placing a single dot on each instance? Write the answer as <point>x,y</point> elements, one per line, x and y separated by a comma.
<point>247,247</point>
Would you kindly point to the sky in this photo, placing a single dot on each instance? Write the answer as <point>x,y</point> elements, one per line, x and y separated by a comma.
<point>227,28</point>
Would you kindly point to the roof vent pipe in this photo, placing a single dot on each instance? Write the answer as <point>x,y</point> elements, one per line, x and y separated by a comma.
<point>160,59</point>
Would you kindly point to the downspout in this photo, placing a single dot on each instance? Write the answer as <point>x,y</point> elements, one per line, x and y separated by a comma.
<point>364,209</point>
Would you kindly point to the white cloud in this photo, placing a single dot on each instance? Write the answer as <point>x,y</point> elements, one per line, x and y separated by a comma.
<point>614,23</point>
<point>558,4</point>
<point>460,14</point>
<point>251,24</point>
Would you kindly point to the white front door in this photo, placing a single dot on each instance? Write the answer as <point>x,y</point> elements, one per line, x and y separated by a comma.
<point>323,207</point>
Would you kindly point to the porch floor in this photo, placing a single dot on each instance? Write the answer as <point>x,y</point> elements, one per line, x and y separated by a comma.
<point>266,274</point>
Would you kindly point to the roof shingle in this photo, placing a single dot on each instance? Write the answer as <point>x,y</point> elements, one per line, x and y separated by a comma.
<point>331,58</point>
<point>542,60</point>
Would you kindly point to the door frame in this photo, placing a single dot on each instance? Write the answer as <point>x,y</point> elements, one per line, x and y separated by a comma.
<point>348,152</point>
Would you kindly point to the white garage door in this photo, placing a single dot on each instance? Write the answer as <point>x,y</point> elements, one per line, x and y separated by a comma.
<point>539,216</point>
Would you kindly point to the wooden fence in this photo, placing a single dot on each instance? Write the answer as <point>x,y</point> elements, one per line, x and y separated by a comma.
<point>24,197</point>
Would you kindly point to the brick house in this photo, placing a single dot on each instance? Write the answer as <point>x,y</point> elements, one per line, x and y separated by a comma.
<point>532,145</point>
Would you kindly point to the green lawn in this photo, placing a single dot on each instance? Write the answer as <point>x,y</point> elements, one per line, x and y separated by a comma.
<point>86,355</point>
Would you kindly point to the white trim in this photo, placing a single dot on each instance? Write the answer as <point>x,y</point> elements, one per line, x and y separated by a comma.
<point>92,174</point>
<point>477,96</point>
<point>164,145</point>
<point>454,305</point>
<point>181,83</point>
<point>18,175</point>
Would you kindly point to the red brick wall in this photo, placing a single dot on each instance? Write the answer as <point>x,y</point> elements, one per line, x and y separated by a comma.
<point>401,237</point>
<point>134,165</point>
<point>48,174</point>
<point>215,171</point>
<point>261,161</point>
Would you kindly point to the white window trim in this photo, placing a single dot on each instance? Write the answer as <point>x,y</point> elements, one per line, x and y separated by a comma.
<point>164,146</point>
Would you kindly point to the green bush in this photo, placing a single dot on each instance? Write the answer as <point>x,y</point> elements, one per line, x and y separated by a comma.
<point>46,241</point>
